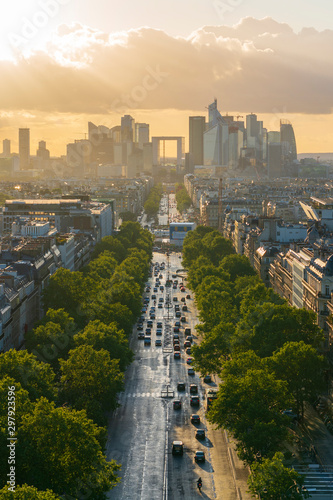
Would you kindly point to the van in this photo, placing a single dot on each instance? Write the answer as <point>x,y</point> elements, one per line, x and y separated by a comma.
<point>177,448</point>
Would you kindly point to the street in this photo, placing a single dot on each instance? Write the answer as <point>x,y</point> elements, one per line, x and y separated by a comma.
<point>141,431</point>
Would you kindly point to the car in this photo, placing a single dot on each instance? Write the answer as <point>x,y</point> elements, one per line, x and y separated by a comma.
<point>291,414</point>
<point>141,336</point>
<point>176,329</point>
<point>144,310</point>
<point>148,331</point>
<point>184,308</point>
<point>158,342</point>
<point>175,299</point>
<point>200,433</point>
<point>162,288</point>
<point>160,305</point>
<point>153,297</point>
<point>187,331</point>
<point>207,379</point>
<point>152,316</point>
<point>177,448</point>
<point>174,287</point>
<point>189,361</point>
<point>188,351</point>
<point>147,340</point>
<point>193,389</point>
<point>176,355</point>
<point>194,401</point>
<point>181,386</point>
<point>155,289</point>
<point>177,404</point>
<point>187,343</point>
<point>139,328</point>
<point>195,419</point>
<point>149,323</point>
<point>190,371</point>
<point>177,308</point>
<point>188,296</point>
<point>159,331</point>
<point>189,338</point>
<point>183,319</point>
<point>159,324</point>
<point>176,347</point>
<point>161,299</point>
<point>199,456</point>
<point>183,299</point>
<point>177,323</point>
<point>182,289</point>
<point>178,314</point>
<point>147,289</point>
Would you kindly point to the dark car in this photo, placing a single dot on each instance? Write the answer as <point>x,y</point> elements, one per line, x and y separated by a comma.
<point>175,299</point>
<point>200,434</point>
<point>183,319</point>
<point>178,314</point>
<point>177,448</point>
<point>187,331</point>
<point>140,327</point>
<point>181,386</point>
<point>199,456</point>
<point>188,351</point>
<point>148,331</point>
<point>193,389</point>
<point>177,404</point>
<point>177,323</point>
<point>176,355</point>
<point>176,347</point>
<point>176,329</point>
<point>159,324</point>
<point>195,419</point>
<point>207,379</point>
<point>195,401</point>
<point>188,296</point>
<point>184,308</point>
<point>183,299</point>
<point>187,343</point>
<point>141,336</point>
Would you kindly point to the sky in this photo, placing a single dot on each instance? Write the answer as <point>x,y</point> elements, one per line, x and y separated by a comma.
<point>65,62</point>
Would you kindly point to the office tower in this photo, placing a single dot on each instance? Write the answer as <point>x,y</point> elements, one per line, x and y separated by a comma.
<point>24,148</point>
<point>141,134</point>
<point>197,126</point>
<point>148,157</point>
<point>6,148</point>
<point>288,142</point>
<point>216,138</point>
<point>274,160</point>
<point>236,143</point>
<point>273,136</point>
<point>255,136</point>
<point>127,128</point>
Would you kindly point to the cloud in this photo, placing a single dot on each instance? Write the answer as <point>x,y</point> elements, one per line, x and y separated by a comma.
<point>256,65</point>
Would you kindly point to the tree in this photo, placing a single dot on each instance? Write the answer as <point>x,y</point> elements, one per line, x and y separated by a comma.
<point>103,267</point>
<point>108,337</point>
<point>250,407</point>
<point>302,367</point>
<point>25,492</point>
<point>203,270</point>
<point>60,448</point>
<point>112,245</point>
<point>90,379</point>
<point>267,327</point>
<point>211,353</point>
<point>216,247</point>
<point>257,294</point>
<point>272,480</point>
<point>35,376</point>
<point>236,266</point>
<point>106,312</point>
<point>127,216</point>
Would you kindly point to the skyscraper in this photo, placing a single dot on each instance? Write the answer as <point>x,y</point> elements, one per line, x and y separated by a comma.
<point>288,142</point>
<point>274,160</point>
<point>127,128</point>
<point>6,148</point>
<point>216,138</point>
<point>141,134</point>
<point>197,125</point>
<point>24,148</point>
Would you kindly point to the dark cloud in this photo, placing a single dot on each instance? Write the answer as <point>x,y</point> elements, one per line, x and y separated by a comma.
<point>257,65</point>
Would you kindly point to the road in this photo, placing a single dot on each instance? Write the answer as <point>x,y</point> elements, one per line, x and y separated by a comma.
<point>142,429</point>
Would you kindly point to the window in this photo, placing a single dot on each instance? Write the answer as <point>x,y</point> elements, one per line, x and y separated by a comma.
<point>327,290</point>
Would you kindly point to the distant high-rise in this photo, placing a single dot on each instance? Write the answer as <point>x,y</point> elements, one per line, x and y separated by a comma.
<point>216,138</point>
<point>275,168</point>
<point>197,126</point>
<point>6,148</point>
<point>24,148</point>
<point>288,142</point>
<point>127,128</point>
<point>141,134</point>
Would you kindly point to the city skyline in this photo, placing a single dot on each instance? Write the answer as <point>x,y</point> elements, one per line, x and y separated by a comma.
<point>63,65</point>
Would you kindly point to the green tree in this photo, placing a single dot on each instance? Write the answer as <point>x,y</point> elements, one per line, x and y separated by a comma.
<point>303,368</point>
<point>33,375</point>
<point>90,380</point>
<point>108,337</point>
<point>26,492</point>
<point>110,244</point>
<point>215,247</point>
<point>102,268</point>
<point>128,216</point>
<point>236,266</point>
<point>272,480</point>
<point>107,312</point>
<point>268,326</point>
<point>60,448</point>
<point>250,407</point>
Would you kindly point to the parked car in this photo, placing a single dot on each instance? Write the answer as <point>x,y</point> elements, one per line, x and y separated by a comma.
<point>190,371</point>
<point>147,341</point>
<point>200,434</point>
<point>199,456</point>
<point>207,379</point>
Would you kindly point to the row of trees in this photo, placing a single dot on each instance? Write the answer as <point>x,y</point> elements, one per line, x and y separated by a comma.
<point>152,203</point>
<point>183,200</point>
<point>70,374</point>
<point>266,353</point>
